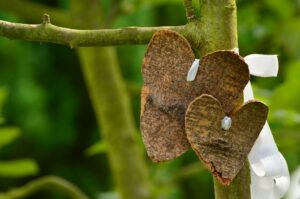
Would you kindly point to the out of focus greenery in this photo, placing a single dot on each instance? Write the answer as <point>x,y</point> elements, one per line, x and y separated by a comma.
<point>54,123</point>
<point>19,167</point>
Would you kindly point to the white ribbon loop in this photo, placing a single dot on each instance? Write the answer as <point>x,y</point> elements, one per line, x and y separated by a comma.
<point>266,167</point>
<point>269,172</point>
<point>294,191</point>
<point>262,65</point>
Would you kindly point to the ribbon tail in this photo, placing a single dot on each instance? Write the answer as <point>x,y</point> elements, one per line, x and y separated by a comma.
<point>269,171</point>
<point>294,191</point>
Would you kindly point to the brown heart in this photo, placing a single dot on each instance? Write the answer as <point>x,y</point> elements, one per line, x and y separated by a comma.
<point>167,61</point>
<point>223,151</point>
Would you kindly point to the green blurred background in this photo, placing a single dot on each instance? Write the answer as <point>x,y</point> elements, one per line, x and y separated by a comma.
<point>48,126</point>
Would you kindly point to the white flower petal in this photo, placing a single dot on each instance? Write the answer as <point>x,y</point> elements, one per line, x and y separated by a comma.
<point>193,70</point>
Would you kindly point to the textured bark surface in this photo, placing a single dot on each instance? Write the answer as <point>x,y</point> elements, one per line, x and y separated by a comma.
<point>167,94</point>
<point>164,136</point>
<point>223,152</point>
<point>224,75</point>
<point>165,66</point>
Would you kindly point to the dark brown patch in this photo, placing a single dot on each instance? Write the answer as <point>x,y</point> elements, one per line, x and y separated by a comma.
<point>167,61</point>
<point>223,152</point>
<point>163,136</point>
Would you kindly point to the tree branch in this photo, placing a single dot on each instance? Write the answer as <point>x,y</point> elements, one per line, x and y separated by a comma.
<point>44,183</point>
<point>189,10</point>
<point>218,19</point>
<point>32,12</point>
<point>47,32</point>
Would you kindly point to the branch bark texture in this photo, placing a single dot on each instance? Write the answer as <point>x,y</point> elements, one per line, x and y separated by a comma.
<point>189,10</point>
<point>219,24</point>
<point>47,32</point>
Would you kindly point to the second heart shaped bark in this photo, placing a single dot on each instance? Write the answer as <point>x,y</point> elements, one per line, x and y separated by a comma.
<point>224,152</point>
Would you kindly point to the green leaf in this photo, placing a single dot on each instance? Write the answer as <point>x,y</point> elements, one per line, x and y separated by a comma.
<point>95,149</point>
<point>18,168</point>
<point>285,95</point>
<point>8,135</point>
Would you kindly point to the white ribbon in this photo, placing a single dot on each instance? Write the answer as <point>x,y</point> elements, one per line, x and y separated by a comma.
<point>294,191</point>
<point>269,171</point>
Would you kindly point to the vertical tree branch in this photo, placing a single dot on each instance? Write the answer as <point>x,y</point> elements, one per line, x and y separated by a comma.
<point>189,10</point>
<point>219,24</point>
<point>113,109</point>
<point>238,189</point>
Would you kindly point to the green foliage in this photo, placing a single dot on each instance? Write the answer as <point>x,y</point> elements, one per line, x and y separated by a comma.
<point>287,101</point>
<point>98,148</point>
<point>18,168</point>
<point>14,168</point>
<point>8,135</point>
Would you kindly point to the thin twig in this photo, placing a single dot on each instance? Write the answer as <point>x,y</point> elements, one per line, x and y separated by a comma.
<point>189,10</point>
<point>48,182</point>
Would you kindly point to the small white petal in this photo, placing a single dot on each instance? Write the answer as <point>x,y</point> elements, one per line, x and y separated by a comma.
<point>226,123</point>
<point>193,71</point>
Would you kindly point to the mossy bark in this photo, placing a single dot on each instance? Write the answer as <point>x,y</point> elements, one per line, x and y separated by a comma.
<point>112,108</point>
<point>218,24</point>
<point>238,189</point>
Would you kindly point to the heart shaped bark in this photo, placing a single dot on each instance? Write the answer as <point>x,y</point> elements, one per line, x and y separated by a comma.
<point>167,61</point>
<point>223,151</point>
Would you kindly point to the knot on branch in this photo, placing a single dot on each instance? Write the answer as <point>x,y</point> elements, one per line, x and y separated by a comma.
<point>46,19</point>
<point>73,44</point>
